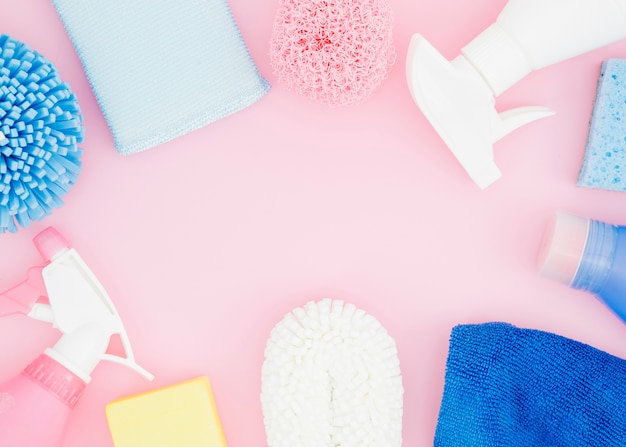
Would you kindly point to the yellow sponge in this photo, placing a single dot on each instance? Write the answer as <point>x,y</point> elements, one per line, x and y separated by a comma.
<point>180,415</point>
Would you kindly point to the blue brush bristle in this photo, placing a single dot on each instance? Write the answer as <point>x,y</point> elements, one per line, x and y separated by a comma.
<point>40,129</point>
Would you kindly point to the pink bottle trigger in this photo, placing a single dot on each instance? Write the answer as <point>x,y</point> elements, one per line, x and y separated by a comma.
<point>21,298</point>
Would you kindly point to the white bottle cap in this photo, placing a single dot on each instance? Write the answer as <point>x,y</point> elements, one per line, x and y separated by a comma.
<point>498,58</point>
<point>81,350</point>
<point>562,247</point>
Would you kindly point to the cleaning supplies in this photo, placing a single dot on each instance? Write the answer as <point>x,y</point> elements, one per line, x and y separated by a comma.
<point>181,415</point>
<point>507,386</point>
<point>458,97</point>
<point>335,52</point>
<point>40,128</point>
<point>34,405</point>
<point>331,377</point>
<point>587,255</point>
<point>161,69</point>
<point>604,163</point>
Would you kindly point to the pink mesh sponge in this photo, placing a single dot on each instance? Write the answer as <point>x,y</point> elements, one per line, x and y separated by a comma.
<point>333,51</point>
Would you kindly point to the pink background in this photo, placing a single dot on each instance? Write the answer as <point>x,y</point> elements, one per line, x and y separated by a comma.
<point>204,243</point>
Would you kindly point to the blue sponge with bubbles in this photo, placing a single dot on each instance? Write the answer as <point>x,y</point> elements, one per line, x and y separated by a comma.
<point>604,164</point>
<point>40,129</point>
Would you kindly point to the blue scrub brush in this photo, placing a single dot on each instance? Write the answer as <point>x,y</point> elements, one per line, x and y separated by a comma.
<point>40,128</point>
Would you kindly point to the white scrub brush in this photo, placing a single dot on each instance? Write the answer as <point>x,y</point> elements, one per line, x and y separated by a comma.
<point>331,378</point>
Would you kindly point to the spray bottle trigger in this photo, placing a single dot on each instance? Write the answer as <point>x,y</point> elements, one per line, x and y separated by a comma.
<point>129,362</point>
<point>512,119</point>
<point>120,351</point>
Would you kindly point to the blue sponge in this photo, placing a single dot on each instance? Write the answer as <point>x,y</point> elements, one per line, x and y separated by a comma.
<point>40,128</point>
<point>604,164</point>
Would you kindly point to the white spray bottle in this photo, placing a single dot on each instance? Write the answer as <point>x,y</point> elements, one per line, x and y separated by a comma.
<point>34,405</point>
<point>458,96</point>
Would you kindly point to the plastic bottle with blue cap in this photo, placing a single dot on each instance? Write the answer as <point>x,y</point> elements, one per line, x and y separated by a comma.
<point>458,96</point>
<point>587,255</point>
<point>34,405</point>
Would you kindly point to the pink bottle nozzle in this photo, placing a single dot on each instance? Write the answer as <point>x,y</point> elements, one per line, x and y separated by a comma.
<point>49,243</point>
<point>562,247</point>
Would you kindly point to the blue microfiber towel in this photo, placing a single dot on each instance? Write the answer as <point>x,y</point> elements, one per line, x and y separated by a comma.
<point>604,163</point>
<point>161,68</point>
<point>512,387</point>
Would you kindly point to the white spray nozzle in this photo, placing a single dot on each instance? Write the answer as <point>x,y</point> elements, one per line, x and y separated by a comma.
<point>81,309</point>
<point>460,104</point>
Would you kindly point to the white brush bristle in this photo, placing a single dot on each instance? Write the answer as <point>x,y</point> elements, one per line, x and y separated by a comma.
<point>331,378</point>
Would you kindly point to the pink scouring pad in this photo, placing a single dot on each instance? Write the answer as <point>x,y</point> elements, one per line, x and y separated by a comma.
<point>333,51</point>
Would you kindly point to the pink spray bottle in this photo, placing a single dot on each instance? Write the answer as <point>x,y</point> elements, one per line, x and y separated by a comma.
<point>34,405</point>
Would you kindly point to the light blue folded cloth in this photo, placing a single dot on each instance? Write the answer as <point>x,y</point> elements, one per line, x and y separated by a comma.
<point>511,387</point>
<point>161,68</point>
